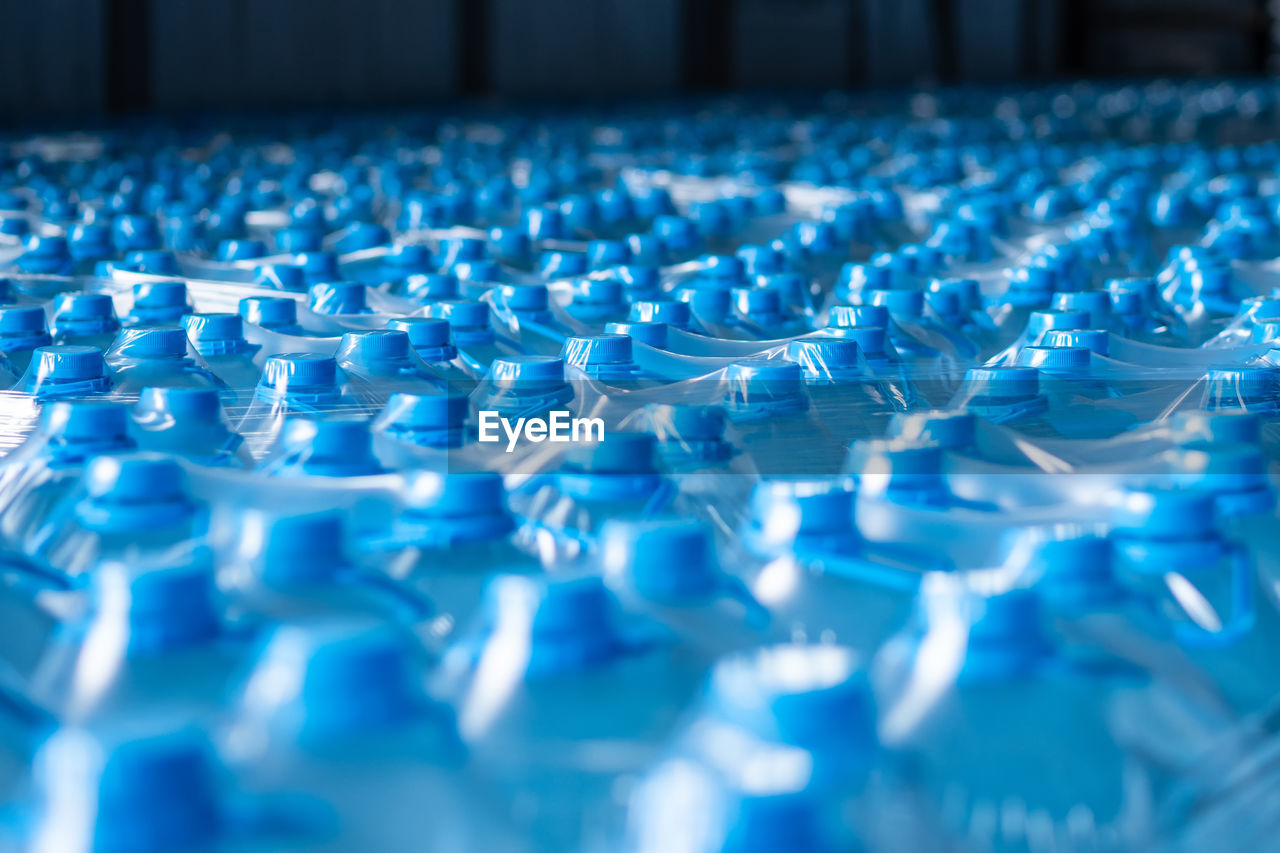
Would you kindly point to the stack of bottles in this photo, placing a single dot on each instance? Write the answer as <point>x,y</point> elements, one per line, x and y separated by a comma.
<point>886,473</point>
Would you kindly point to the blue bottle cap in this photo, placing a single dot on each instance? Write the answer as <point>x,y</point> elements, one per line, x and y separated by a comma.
<point>161,295</point>
<point>759,385</point>
<point>784,510</point>
<point>671,313</point>
<point>944,303</point>
<point>521,298</point>
<point>332,445</point>
<point>1234,474</point>
<point>183,405</point>
<point>44,254</point>
<point>722,268</point>
<point>423,332</point>
<point>862,278</point>
<point>531,372</point>
<point>130,779</point>
<point>650,334</point>
<point>1159,513</point>
<point>1244,387</point>
<point>153,261</point>
<point>269,312</point>
<point>299,370</point>
<point>825,359</point>
<point>214,327</point>
<point>470,506</point>
<point>462,314</point>
<point>599,291</point>
<point>1006,632</point>
<point>1054,357</point>
<point>161,342</point>
<point>1230,426</point>
<point>359,236</point>
<point>410,258</point>
<point>569,621</point>
<point>338,297</point>
<point>815,697</point>
<point>762,302</point>
<point>562,264</point>
<point>64,364</point>
<point>458,249</point>
<point>966,290</point>
<point>762,260</point>
<point>1096,303</point>
<point>296,549</point>
<point>858,315</point>
<point>897,465</point>
<point>1071,566</point>
<point>678,233</point>
<point>166,607</point>
<point>318,266</point>
<point>1031,285</point>
<point>1040,322</point>
<point>374,345</point>
<point>647,249</point>
<point>298,240</point>
<point>706,303</point>
<point>1096,341</point>
<point>136,477</point>
<point>689,423</point>
<point>510,242</point>
<point>900,303</point>
<point>1003,383</point>
<point>431,286</point>
<point>240,250</point>
<point>792,287</point>
<point>638,282</point>
<point>134,231</point>
<point>96,309</point>
<point>544,223</point>
<point>22,322</point>
<point>285,277</point>
<point>430,420</point>
<point>349,676</point>
<point>582,351</point>
<point>948,430</point>
<point>871,340</point>
<point>663,560</point>
<point>77,422</point>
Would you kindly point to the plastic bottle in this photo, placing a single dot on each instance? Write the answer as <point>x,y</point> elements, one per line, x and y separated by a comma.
<point>219,340</point>
<point>22,330</point>
<point>85,319</point>
<point>189,423</point>
<point>156,356</point>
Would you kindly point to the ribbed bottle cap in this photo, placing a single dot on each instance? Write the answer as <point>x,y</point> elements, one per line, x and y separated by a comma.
<point>1096,341</point>
<point>651,334</point>
<point>318,266</point>
<point>430,286</point>
<point>705,303</point>
<point>1164,513</point>
<point>522,297</point>
<point>153,261</point>
<point>1003,382</point>
<point>1096,303</point>
<point>770,378</point>
<point>896,457</point>
<point>85,306</point>
<point>269,311</point>
<point>638,280</point>
<point>422,331</point>
<point>569,620</point>
<point>599,291</point>
<point>160,294</point>
<point>1054,357</point>
<point>375,345</point>
<point>240,250</point>
<point>596,349</point>
<point>661,311</point>
<point>948,430</point>
<point>86,420</point>
<point>298,240</point>
<point>619,453</point>
<point>858,315</point>
<point>753,301</point>
<point>966,290</point>
<point>870,339</point>
<point>562,264</point>
<point>299,369</point>
<point>135,477</point>
<point>1241,387</point>
<point>214,327</point>
<point>899,303</point>
<point>22,321</point>
<point>865,278</point>
<point>297,547</point>
<point>533,370</point>
<point>281,277</point>
<point>160,342</point>
<point>409,257</point>
<point>818,356</point>
<point>458,496</point>
<point>663,560</point>
<point>68,363</point>
<point>1042,321</point>
<point>338,297</point>
<point>762,260</point>
<point>166,606</point>
<point>427,411</point>
<point>461,314</point>
<point>183,404</point>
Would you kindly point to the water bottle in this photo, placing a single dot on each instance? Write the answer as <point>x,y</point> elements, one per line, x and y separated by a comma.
<point>219,340</point>
<point>473,333</point>
<point>85,319</point>
<point>65,371</point>
<point>274,313</point>
<point>158,303</point>
<point>323,446</point>
<point>156,356</point>
<point>188,423</point>
<point>22,330</point>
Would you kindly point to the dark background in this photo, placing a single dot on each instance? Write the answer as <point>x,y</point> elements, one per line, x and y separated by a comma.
<point>78,58</point>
